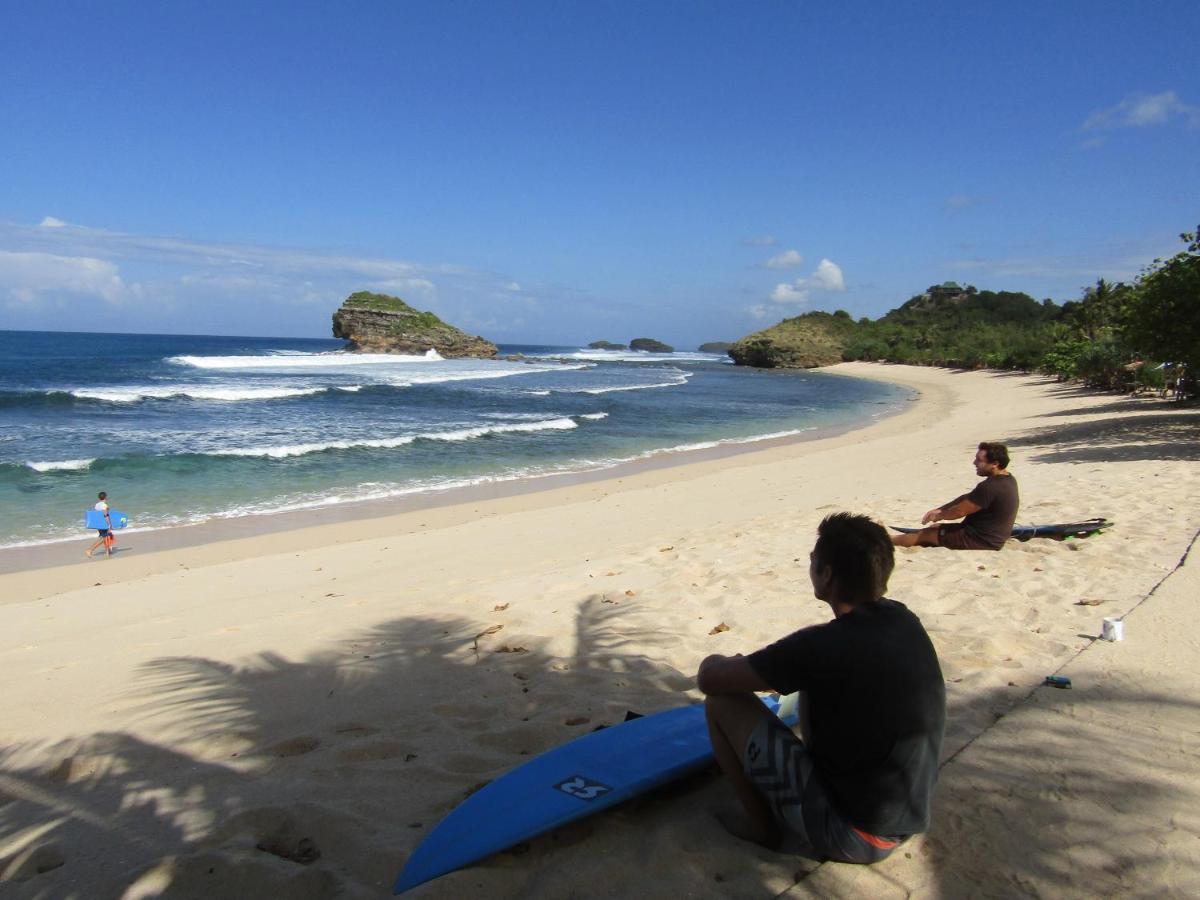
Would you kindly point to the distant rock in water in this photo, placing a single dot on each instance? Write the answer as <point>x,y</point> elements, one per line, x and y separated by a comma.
<point>715,347</point>
<point>379,323</point>
<point>650,345</point>
<point>606,345</point>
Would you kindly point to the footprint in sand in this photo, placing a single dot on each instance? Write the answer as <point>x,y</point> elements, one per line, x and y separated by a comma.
<point>296,746</point>
<point>377,751</point>
<point>33,861</point>
<point>269,830</point>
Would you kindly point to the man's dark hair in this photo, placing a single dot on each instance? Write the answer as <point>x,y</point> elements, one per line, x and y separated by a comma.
<point>860,554</point>
<point>102,496</point>
<point>996,453</point>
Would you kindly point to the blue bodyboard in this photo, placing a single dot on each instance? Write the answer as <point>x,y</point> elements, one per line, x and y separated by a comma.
<point>591,773</point>
<point>93,518</point>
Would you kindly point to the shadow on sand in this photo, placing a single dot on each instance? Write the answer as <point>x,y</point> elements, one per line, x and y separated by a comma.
<point>315,779</point>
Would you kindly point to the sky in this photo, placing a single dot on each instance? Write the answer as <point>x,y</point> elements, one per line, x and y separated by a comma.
<point>563,172</point>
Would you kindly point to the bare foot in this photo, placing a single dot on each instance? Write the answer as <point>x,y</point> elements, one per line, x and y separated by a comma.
<point>769,836</point>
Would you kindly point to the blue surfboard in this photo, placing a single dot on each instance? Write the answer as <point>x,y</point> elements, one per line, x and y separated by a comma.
<point>591,773</point>
<point>93,518</point>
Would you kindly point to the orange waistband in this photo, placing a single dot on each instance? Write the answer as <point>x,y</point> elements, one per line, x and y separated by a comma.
<point>876,842</point>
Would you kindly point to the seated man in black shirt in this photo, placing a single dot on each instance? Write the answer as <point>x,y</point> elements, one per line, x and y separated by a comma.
<point>872,713</point>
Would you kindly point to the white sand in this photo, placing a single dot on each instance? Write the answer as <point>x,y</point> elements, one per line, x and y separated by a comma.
<point>323,693</point>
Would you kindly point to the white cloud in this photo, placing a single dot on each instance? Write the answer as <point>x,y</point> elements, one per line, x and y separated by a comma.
<point>788,259</point>
<point>827,277</point>
<point>178,284</point>
<point>761,240</point>
<point>51,222</point>
<point>1140,110</point>
<point>795,293</point>
<point>27,276</point>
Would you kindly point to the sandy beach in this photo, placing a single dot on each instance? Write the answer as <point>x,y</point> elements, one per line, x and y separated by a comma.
<point>289,713</point>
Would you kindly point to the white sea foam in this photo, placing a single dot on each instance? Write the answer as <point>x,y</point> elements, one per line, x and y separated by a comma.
<point>333,359</point>
<point>681,379</point>
<point>458,434</point>
<point>466,434</point>
<point>65,465</point>
<point>224,393</point>
<point>286,450</point>
<point>408,379</point>
<point>599,415</point>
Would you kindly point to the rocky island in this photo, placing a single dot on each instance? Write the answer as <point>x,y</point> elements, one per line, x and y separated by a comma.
<point>381,323</point>
<point>650,345</point>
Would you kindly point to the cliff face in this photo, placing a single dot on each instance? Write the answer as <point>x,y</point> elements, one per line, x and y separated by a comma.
<point>379,323</point>
<point>805,342</point>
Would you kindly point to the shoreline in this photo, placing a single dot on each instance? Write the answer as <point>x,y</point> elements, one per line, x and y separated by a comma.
<point>184,721</point>
<point>51,554</point>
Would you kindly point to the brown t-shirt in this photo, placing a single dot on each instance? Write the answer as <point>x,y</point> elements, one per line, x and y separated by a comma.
<point>998,500</point>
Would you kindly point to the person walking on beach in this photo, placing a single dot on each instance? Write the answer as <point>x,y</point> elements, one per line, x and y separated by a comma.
<point>859,779</point>
<point>990,509</point>
<point>105,533</point>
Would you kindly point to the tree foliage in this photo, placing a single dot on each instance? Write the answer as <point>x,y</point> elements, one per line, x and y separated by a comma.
<point>1115,336</point>
<point>1161,318</point>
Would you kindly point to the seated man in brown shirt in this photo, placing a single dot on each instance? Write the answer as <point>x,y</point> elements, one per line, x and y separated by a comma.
<point>990,509</point>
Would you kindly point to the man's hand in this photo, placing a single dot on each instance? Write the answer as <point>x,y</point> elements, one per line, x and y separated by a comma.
<point>955,509</point>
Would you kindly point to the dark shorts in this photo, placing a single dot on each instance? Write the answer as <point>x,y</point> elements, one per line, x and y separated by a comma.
<point>780,767</point>
<point>103,532</point>
<point>957,537</point>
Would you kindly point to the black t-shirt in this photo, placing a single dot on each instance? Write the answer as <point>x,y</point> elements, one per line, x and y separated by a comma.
<point>998,500</point>
<point>877,710</point>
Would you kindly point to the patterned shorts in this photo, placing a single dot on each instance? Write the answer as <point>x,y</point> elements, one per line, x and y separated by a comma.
<point>780,767</point>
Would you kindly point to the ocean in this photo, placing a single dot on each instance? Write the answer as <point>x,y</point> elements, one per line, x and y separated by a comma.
<point>180,429</point>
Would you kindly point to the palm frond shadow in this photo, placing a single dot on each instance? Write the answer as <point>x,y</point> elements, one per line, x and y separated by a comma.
<point>373,739</point>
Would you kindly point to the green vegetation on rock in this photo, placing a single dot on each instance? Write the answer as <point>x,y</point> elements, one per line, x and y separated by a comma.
<point>381,323</point>
<point>1115,336</point>
<point>804,342</point>
<point>388,303</point>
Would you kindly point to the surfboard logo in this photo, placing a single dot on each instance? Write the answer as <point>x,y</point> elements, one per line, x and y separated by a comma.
<point>583,788</point>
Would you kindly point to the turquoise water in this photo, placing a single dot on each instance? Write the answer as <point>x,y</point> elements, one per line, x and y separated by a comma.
<point>181,429</point>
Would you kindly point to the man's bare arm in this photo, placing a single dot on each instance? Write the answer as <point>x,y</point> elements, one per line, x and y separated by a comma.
<point>955,509</point>
<point>728,675</point>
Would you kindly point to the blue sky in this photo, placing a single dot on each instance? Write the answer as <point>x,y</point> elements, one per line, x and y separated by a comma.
<point>564,172</point>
